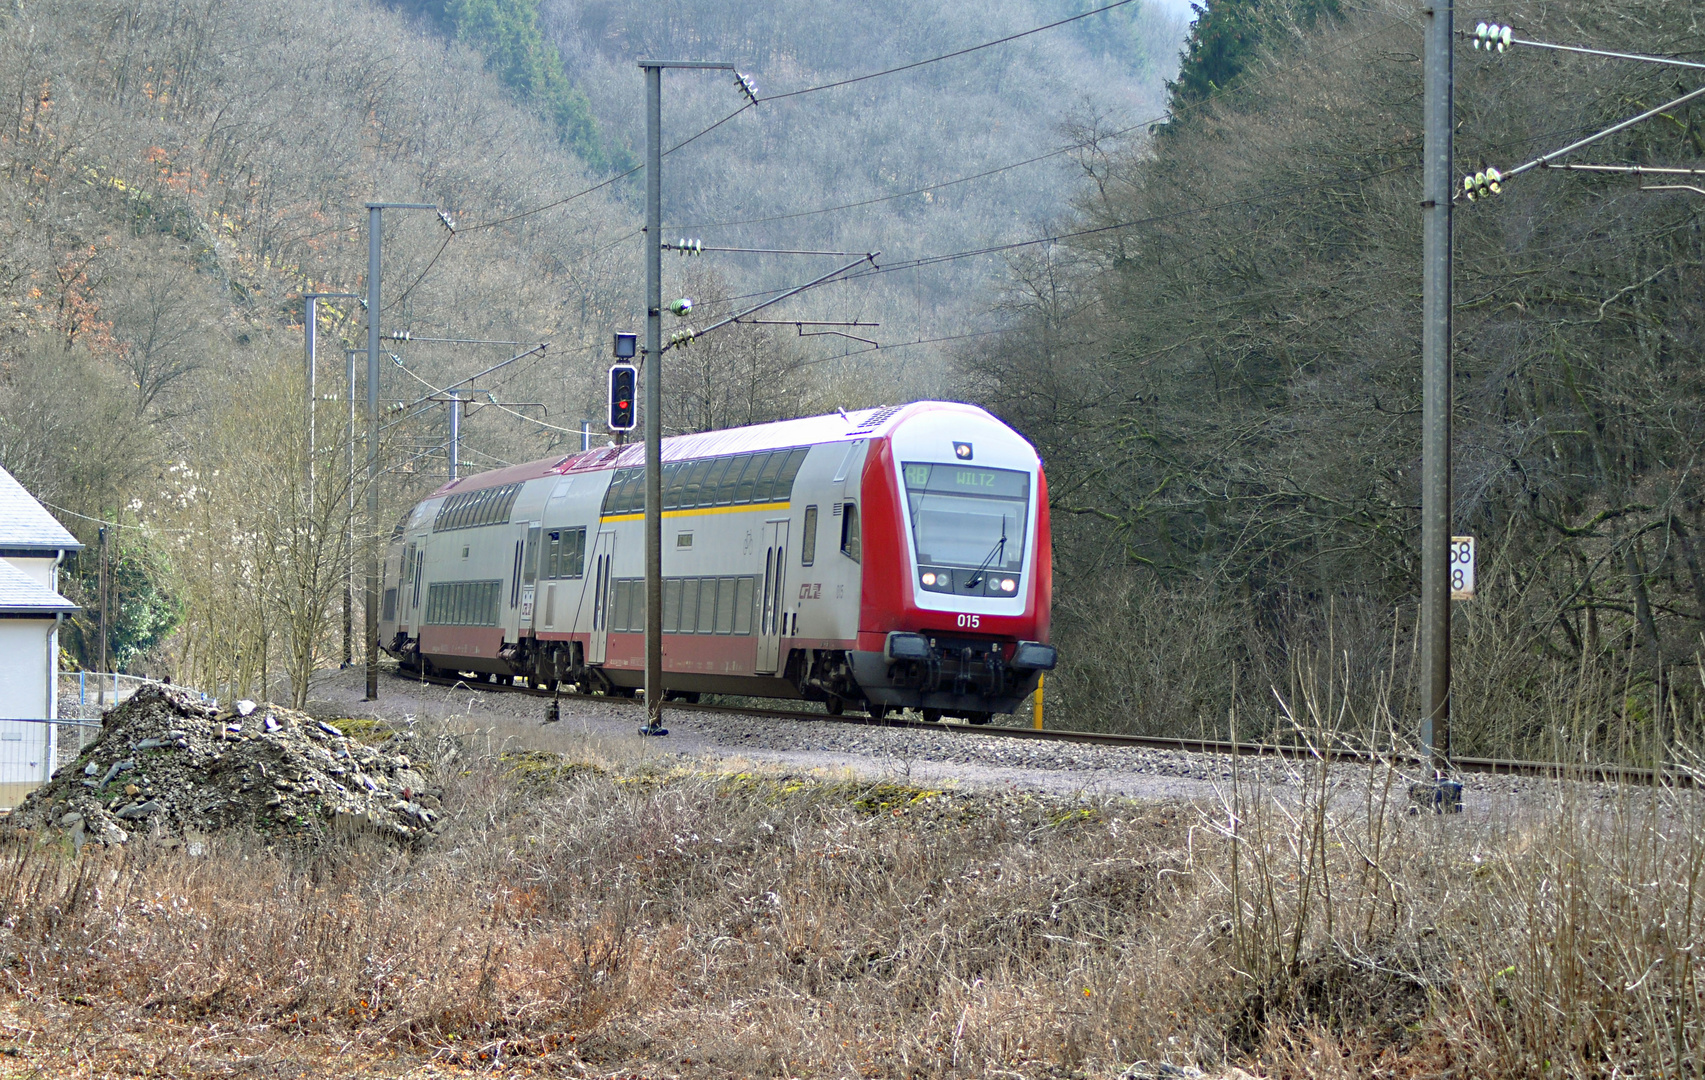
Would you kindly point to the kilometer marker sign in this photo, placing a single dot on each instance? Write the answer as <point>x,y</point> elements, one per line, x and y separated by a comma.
<point>1462,568</point>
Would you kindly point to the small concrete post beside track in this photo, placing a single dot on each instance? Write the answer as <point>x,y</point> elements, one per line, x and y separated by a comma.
<point>1041,678</point>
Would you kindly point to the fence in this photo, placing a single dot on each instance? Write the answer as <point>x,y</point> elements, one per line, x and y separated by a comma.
<point>32,748</point>
<point>84,694</point>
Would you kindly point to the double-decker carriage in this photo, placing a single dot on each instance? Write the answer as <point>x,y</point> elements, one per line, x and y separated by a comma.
<point>887,558</point>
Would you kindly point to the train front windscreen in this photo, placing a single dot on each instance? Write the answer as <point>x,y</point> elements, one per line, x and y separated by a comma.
<point>968,526</point>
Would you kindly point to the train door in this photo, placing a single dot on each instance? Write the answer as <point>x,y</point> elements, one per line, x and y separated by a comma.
<point>771,614</point>
<point>526,575</point>
<point>602,555</point>
<point>409,588</point>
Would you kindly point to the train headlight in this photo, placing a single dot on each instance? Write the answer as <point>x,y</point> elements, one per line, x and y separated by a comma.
<point>1008,585</point>
<point>929,579</point>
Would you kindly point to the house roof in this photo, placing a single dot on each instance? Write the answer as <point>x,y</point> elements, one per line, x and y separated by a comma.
<point>25,525</point>
<point>21,594</point>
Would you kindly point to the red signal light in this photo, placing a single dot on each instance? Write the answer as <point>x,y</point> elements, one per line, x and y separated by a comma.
<point>624,379</point>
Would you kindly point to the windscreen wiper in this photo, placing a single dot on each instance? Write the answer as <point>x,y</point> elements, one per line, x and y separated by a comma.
<point>995,552</point>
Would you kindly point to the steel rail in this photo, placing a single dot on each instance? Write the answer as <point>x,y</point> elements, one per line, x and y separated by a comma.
<point>1591,771</point>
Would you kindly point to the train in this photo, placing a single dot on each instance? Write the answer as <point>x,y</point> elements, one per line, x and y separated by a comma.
<point>879,559</point>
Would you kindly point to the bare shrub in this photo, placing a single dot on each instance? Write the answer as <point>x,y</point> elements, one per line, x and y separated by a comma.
<point>607,915</point>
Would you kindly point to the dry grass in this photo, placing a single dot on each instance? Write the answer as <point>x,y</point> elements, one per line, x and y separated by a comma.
<point>615,919</point>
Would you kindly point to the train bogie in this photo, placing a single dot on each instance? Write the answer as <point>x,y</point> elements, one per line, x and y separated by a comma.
<point>889,558</point>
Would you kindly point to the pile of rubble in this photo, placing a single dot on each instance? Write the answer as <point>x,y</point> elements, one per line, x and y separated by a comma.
<point>169,765</point>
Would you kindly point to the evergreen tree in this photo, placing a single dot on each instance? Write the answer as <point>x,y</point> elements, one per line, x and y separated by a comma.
<point>507,34</point>
<point>1225,37</point>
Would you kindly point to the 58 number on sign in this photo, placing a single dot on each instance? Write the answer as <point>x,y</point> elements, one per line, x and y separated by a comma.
<point>1462,568</point>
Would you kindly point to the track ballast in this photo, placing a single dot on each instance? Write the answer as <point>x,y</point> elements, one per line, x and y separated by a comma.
<point>1487,766</point>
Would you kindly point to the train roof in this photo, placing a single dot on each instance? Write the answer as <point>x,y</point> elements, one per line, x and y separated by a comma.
<point>804,431</point>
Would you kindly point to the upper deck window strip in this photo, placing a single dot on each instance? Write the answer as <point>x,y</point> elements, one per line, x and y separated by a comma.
<point>728,480</point>
<point>468,509</point>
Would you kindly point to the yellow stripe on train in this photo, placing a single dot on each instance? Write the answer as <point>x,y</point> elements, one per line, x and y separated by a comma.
<point>700,511</point>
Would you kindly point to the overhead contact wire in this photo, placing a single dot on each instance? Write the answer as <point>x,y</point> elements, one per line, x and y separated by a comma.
<point>944,56</point>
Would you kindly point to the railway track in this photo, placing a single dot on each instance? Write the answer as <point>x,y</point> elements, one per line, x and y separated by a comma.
<point>1604,773</point>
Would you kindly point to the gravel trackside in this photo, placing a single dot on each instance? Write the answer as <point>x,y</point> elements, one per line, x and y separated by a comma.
<point>974,760</point>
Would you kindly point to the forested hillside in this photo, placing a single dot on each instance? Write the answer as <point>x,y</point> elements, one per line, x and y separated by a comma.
<point>1218,357</point>
<point>765,178</point>
<point>1223,373</point>
<point>175,178</point>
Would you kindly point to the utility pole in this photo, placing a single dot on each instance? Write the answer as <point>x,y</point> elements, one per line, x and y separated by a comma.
<point>652,372</point>
<point>455,432</point>
<point>101,580</point>
<point>1437,188</point>
<point>349,356</point>
<point>375,211</point>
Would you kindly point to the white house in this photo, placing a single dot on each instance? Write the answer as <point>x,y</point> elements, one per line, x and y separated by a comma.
<point>32,545</point>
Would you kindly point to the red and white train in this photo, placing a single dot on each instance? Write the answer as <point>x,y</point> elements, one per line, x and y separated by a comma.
<point>888,558</point>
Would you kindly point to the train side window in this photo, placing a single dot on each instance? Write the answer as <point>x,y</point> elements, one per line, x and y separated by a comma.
<point>783,491</point>
<point>692,483</point>
<point>849,531</point>
<point>671,605</point>
<point>729,485</point>
<point>530,559</point>
<point>808,542</point>
<point>690,605</point>
<point>725,605</point>
<point>765,491</point>
<point>749,478</point>
<point>574,553</point>
<point>624,606</point>
<point>745,591</point>
<point>673,476</point>
<point>711,484</point>
<point>614,497</point>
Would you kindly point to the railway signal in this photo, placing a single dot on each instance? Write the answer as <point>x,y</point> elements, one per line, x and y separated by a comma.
<point>624,378</point>
<point>627,346</point>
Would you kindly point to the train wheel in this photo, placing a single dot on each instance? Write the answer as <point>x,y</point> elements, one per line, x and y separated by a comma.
<point>834,706</point>
<point>979,717</point>
<point>932,716</point>
<point>877,712</point>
